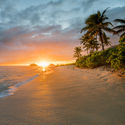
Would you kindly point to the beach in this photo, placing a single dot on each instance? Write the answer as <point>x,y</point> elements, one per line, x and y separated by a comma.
<point>67,95</point>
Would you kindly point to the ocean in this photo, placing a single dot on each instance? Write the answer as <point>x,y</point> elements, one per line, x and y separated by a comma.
<point>12,77</point>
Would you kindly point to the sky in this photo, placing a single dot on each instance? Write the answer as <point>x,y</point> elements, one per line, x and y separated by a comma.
<point>36,30</point>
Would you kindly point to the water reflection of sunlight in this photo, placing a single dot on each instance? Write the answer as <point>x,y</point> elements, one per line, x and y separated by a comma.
<point>43,69</point>
<point>43,64</point>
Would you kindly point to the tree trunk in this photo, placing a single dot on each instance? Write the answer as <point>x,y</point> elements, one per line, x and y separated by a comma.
<point>101,39</point>
<point>103,46</point>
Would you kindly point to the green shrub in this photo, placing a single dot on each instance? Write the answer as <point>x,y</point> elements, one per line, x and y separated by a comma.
<point>115,57</point>
<point>122,40</point>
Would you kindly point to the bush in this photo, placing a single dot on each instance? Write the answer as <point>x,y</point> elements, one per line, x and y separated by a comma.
<point>115,57</point>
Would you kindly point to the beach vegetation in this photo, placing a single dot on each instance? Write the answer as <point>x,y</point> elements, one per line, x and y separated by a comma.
<point>114,57</point>
<point>96,26</point>
<point>95,37</point>
<point>77,52</point>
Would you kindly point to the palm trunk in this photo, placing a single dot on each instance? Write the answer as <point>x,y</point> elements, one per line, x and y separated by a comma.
<point>96,45</point>
<point>101,39</point>
<point>103,46</point>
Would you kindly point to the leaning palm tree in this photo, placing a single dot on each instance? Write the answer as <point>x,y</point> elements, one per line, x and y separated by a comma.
<point>120,28</point>
<point>96,25</point>
<point>77,52</point>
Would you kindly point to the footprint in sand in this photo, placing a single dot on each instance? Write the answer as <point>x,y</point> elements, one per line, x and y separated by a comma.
<point>102,78</point>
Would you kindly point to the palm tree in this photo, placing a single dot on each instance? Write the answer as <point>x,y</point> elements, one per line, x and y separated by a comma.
<point>89,43</point>
<point>77,52</point>
<point>120,28</point>
<point>96,25</point>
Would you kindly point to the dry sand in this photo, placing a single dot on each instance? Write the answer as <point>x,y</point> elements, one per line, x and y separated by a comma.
<point>67,96</point>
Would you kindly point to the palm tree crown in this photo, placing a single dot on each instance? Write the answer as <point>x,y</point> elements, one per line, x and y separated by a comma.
<point>77,52</point>
<point>96,25</point>
<point>89,43</point>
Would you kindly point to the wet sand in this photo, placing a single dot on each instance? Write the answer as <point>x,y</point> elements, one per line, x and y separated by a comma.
<point>67,96</point>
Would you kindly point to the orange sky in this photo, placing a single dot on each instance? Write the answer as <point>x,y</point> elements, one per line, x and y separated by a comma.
<point>59,52</point>
<point>20,47</point>
<point>47,30</point>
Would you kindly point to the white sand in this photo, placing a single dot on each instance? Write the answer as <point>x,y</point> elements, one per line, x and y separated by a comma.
<point>67,96</point>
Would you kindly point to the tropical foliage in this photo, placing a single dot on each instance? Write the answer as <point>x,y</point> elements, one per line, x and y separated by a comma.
<point>96,28</point>
<point>95,37</point>
<point>115,57</point>
<point>77,52</point>
<point>90,45</point>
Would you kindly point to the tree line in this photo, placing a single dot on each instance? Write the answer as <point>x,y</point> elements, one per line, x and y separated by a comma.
<point>95,33</point>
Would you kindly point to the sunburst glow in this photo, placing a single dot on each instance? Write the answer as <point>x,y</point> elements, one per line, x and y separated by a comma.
<point>43,64</point>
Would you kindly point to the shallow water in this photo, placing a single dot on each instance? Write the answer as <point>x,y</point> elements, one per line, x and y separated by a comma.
<point>12,77</point>
<point>67,96</point>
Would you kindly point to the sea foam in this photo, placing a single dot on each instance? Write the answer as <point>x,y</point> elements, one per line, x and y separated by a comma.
<point>11,90</point>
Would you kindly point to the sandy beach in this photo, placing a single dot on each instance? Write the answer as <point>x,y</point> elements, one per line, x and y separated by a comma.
<point>67,96</point>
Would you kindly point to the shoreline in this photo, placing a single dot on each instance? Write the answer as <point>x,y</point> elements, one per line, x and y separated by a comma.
<point>119,72</point>
<point>12,89</point>
<point>67,95</point>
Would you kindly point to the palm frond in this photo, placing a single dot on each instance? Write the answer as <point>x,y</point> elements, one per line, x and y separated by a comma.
<point>110,30</point>
<point>120,31</point>
<point>120,20</point>
<point>123,34</point>
<point>83,29</point>
<point>99,13</point>
<point>103,13</point>
<point>108,23</point>
<point>119,27</point>
<point>91,19</point>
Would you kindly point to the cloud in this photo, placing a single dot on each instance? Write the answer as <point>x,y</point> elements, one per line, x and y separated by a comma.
<point>40,25</point>
<point>116,13</point>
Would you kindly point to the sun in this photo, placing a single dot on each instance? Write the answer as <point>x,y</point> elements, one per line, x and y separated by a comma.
<point>43,64</point>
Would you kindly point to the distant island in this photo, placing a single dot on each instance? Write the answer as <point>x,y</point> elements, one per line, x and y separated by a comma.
<point>33,64</point>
